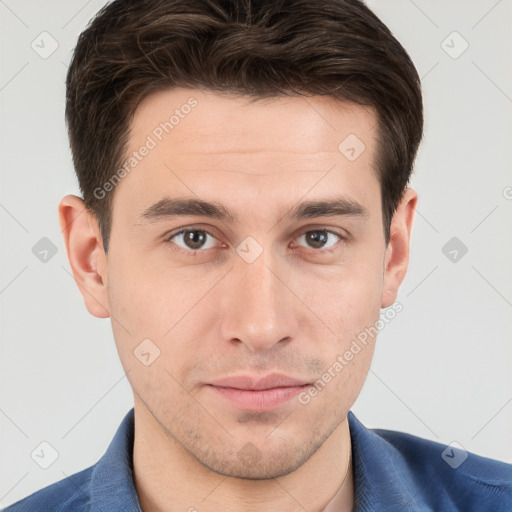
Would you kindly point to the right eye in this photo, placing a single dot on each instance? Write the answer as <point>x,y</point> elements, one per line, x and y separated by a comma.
<point>193,240</point>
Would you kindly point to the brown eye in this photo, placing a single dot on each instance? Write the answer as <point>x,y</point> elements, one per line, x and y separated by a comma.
<point>192,239</point>
<point>319,239</point>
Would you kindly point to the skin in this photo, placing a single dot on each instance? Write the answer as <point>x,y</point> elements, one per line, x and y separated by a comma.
<point>293,310</point>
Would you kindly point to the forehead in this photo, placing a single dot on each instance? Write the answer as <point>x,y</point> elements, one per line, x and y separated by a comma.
<point>226,123</point>
<point>270,152</point>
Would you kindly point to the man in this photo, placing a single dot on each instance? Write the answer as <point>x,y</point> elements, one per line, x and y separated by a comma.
<point>245,217</point>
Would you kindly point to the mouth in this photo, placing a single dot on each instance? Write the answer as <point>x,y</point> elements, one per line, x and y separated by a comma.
<point>258,394</point>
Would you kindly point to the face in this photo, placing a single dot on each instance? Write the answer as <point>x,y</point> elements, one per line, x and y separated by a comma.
<point>243,313</point>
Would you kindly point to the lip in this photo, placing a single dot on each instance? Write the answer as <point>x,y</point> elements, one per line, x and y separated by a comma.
<point>258,393</point>
<point>273,380</point>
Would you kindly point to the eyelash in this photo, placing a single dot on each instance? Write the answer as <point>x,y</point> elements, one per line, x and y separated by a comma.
<point>190,252</point>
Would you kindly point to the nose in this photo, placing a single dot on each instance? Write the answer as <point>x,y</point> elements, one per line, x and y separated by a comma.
<point>258,307</point>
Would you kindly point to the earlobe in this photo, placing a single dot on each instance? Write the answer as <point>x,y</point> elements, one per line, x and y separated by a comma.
<point>397,251</point>
<point>85,253</point>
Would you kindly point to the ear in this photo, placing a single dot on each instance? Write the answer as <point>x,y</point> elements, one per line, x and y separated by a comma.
<point>397,251</point>
<point>86,256</point>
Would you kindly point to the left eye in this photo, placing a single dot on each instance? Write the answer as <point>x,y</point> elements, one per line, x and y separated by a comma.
<point>318,238</point>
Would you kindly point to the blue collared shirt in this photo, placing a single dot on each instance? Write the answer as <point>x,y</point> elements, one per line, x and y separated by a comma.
<point>393,472</point>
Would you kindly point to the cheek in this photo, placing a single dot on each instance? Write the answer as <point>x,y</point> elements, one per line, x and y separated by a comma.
<point>136,301</point>
<point>348,301</point>
<point>143,295</point>
<point>346,297</point>
<point>354,320</point>
<point>352,312</point>
<point>157,303</point>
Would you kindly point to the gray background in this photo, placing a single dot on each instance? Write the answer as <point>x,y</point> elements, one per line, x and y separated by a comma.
<point>442,368</point>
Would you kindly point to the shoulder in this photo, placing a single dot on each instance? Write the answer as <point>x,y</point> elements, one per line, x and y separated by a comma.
<point>399,472</point>
<point>106,485</point>
<point>71,494</point>
<point>450,476</point>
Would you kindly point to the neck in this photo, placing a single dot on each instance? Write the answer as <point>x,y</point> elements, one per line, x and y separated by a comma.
<point>168,478</point>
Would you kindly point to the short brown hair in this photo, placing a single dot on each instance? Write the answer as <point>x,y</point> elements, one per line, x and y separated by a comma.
<point>257,48</point>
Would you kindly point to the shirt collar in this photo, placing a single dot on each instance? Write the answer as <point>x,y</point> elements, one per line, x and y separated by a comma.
<point>112,484</point>
<point>382,478</point>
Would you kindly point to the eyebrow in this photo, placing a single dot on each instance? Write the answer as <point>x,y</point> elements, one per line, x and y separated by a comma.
<point>173,207</point>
